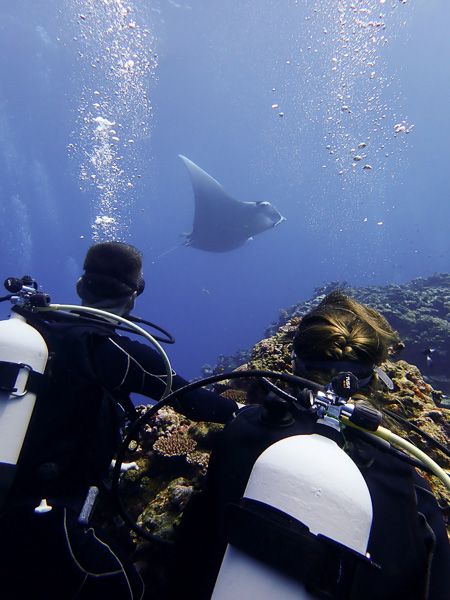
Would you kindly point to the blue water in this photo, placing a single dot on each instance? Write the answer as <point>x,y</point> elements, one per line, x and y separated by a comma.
<point>272,98</point>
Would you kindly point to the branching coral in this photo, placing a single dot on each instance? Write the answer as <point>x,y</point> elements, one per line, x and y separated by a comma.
<point>236,395</point>
<point>174,445</point>
<point>198,458</point>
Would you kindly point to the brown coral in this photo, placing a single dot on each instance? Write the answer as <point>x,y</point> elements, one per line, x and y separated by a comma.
<point>174,445</point>
<point>198,458</point>
<point>236,395</point>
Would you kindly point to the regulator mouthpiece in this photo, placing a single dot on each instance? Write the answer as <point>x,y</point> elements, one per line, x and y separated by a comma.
<point>345,385</point>
<point>15,285</point>
<point>24,292</point>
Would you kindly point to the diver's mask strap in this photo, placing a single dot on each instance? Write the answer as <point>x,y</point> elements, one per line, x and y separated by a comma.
<point>384,377</point>
<point>363,382</point>
<point>363,371</point>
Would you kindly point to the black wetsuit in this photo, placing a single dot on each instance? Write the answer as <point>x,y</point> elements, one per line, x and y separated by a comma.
<point>73,434</point>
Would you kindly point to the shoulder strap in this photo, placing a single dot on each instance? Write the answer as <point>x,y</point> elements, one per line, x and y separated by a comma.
<point>324,566</point>
<point>9,372</point>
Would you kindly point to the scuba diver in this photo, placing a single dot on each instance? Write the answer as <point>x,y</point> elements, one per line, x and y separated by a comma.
<point>49,549</point>
<point>377,535</point>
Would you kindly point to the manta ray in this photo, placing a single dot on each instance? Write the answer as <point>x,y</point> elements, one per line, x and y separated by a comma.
<point>222,223</point>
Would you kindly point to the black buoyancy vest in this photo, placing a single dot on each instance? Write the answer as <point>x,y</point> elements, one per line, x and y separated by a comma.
<point>75,426</point>
<point>402,541</point>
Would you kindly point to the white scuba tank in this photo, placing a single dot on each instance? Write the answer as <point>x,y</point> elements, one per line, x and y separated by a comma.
<point>20,344</point>
<point>310,478</point>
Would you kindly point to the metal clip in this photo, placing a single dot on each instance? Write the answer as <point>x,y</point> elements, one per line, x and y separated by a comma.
<point>89,505</point>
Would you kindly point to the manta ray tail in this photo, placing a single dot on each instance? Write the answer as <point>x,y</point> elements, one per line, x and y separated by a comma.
<point>168,251</point>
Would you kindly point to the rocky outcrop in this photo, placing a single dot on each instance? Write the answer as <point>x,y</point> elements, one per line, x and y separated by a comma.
<point>419,310</point>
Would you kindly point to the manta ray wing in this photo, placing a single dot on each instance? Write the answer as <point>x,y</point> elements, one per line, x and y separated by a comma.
<point>222,223</point>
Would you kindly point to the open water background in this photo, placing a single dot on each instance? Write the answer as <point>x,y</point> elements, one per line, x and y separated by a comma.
<point>272,98</point>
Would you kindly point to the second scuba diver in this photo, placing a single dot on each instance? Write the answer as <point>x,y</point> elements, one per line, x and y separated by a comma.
<point>47,551</point>
<point>408,545</point>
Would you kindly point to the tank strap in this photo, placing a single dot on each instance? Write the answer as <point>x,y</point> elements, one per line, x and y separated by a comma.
<point>324,566</point>
<point>9,372</point>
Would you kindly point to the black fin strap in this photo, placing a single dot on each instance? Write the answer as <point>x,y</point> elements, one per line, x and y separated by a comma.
<point>324,566</point>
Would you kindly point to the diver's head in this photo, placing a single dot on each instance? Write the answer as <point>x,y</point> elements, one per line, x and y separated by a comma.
<point>113,277</point>
<point>341,335</point>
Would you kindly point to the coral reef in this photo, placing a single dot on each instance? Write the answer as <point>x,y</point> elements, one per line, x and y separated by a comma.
<point>162,515</point>
<point>419,310</point>
<point>172,455</point>
<point>226,363</point>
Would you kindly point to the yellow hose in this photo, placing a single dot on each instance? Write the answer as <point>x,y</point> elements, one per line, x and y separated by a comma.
<point>390,437</point>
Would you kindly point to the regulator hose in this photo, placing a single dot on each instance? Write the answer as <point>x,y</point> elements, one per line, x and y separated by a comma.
<point>390,437</point>
<point>112,317</point>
